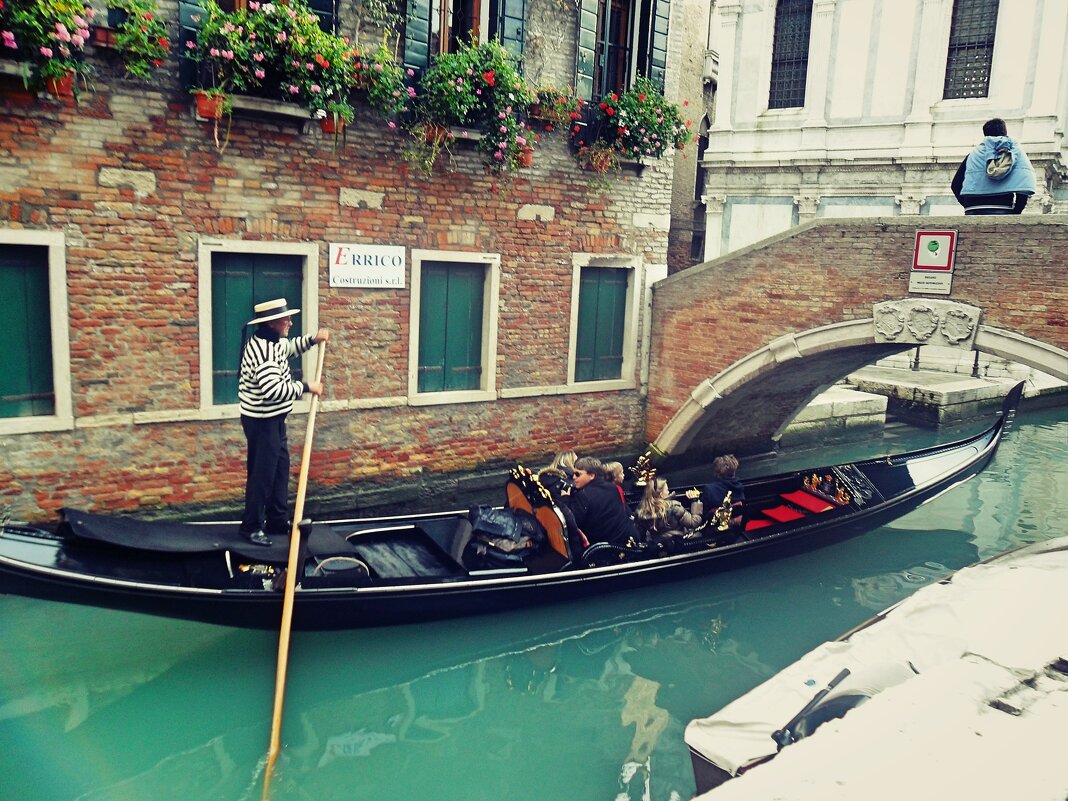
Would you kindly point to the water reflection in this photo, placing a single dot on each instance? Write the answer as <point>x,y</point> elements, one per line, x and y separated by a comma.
<point>580,701</point>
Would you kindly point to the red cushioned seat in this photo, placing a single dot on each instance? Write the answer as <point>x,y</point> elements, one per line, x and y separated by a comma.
<point>807,501</point>
<point>782,514</point>
<point>753,524</point>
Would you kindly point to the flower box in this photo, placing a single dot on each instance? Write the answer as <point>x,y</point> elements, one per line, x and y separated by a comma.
<point>274,110</point>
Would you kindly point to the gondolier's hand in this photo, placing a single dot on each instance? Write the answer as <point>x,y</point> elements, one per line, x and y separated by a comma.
<point>322,335</point>
<point>315,387</point>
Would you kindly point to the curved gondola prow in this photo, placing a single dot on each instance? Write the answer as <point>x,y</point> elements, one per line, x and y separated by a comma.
<point>1011,405</point>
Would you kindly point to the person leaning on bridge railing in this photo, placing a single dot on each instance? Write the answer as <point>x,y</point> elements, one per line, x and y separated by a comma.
<point>996,177</point>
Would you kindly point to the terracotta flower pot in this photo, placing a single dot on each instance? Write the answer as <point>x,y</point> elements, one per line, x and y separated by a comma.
<point>210,107</point>
<point>525,158</point>
<point>329,125</point>
<point>62,86</point>
<point>436,134</point>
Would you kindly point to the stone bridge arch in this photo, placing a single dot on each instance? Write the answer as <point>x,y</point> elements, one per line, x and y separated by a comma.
<point>741,344</point>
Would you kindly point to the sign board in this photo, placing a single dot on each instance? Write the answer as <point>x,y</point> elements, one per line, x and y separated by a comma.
<point>367,266</point>
<point>932,262</point>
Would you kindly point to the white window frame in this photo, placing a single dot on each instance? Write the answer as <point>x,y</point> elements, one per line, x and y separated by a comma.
<point>62,419</point>
<point>628,378</point>
<point>308,304</point>
<point>487,391</point>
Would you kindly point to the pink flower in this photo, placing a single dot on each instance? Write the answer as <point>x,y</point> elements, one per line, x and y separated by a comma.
<point>79,22</point>
<point>214,52</point>
<point>257,57</point>
<point>46,52</point>
<point>411,73</point>
<point>253,5</point>
<point>77,40</point>
<point>190,45</point>
<point>64,51</point>
<point>9,39</point>
<point>260,74</point>
<point>228,55</point>
<point>309,67</point>
<point>504,129</point>
<point>411,91</point>
<point>498,155</point>
<point>378,67</point>
<point>315,89</point>
<point>281,36</point>
<point>293,90</point>
<point>62,34</point>
<point>392,124</point>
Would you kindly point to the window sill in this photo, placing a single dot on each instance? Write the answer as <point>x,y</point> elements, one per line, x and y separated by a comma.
<point>35,424</point>
<point>442,398</point>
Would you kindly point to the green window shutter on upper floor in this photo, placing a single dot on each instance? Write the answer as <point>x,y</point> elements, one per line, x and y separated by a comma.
<point>511,25</point>
<point>26,386</point>
<point>450,326</point>
<point>190,16</point>
<point>238,282</point>
<point>601,316</point>
<point>586,58</point>
<point>659,18</point>
<point>417,33</point>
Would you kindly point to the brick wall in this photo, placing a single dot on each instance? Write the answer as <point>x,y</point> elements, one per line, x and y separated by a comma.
<point>828,271</point>
<point>135,184</point>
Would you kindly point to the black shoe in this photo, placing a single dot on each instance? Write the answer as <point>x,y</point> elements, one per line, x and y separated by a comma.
<point>258,538</point>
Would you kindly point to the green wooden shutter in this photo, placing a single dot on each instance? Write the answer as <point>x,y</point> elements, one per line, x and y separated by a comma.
<point>660,16</point>
<point>418,29</point>
<point>238,282</point>
<point>26,386</point>
<point>586,59</point>
<point>190,17</point>
<point>601,317</point>
<point>511,26</point>
<point>450,326</point>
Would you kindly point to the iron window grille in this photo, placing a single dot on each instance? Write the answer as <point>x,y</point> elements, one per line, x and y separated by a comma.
<point>789,54</point>
<point>971,49</point>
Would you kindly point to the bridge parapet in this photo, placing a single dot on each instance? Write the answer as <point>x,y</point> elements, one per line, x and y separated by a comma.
<point>741,343</point>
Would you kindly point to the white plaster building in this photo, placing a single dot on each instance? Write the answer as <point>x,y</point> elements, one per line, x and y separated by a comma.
<point>857,108</point>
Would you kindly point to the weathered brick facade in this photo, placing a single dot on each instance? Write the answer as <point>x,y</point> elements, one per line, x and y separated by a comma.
<point>136,187</point>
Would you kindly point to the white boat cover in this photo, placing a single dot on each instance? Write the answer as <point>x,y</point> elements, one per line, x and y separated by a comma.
<point>946,654</point>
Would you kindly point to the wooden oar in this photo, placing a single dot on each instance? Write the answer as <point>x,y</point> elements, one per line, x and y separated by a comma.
<point>291,587</point>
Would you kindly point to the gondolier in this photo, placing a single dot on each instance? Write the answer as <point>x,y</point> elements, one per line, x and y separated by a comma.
<point>266,391</point>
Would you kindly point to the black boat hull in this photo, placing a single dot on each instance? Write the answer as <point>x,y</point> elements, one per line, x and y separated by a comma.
<point>422,600</point>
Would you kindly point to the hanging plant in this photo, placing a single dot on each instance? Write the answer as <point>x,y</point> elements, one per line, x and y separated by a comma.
<point>140,36</point>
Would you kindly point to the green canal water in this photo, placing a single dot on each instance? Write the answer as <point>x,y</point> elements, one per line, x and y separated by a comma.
<point>578,702</point>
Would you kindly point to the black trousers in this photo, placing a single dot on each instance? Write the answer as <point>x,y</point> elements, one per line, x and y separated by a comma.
<point>267,481</point>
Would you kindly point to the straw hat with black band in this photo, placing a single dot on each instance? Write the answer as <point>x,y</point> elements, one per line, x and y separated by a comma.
<point>271,310</point>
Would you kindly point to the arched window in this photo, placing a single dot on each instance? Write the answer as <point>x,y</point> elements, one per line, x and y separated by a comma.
<point>971,48</point>
<point>789,54</point>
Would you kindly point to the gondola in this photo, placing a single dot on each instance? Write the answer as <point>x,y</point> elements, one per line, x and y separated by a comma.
<point>420,567</point>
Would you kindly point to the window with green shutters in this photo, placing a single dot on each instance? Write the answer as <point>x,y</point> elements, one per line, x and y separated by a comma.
<point>26,387</point>
<point>437,26</point>
<point>450,326</point>
<point>238,282</point>
<point>618,39</point>
<point>602,309</point>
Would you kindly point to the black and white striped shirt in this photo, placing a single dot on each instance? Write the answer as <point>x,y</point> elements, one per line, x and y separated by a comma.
<point>265,385</point>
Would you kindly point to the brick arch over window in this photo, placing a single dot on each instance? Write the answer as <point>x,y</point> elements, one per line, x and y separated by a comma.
<point>766,389</point>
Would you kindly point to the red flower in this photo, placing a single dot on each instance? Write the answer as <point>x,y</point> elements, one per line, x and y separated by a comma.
<point>488,77</point>
<point>641,98</point>
<point>604,106</point>
<point>609,111</point>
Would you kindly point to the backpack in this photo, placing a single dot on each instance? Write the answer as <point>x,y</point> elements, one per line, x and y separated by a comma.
<point>502,537</point>
<point>1001,165</point>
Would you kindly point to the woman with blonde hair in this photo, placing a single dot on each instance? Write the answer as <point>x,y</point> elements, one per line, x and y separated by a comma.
<point>659,514</point>
<point>557,476</point>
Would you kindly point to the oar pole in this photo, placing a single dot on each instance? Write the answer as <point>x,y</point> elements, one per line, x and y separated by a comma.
<point>291,587</point>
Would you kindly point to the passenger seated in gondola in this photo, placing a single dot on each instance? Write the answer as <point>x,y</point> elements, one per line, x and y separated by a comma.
<point>723,481</point>
<point>660,517</point>
<point>596,507</point>
<point>556,478</point>
<point>613,472</point>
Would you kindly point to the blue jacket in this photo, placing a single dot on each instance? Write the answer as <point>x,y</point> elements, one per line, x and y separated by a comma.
<point>1020,178</point>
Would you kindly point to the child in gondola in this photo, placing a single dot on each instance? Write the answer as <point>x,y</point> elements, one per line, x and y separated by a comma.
<point>613,472</point>
<point>660,518</point>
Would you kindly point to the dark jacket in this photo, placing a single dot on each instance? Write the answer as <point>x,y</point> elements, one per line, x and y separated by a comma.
<point>599,513</point>
<point>713,493</point>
